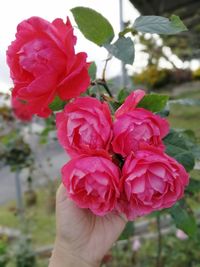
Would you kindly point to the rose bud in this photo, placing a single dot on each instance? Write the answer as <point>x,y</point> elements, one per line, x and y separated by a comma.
<point>43,64</point>
<point>151,180</point>
<point>92,182</point>
<point>84,127</point>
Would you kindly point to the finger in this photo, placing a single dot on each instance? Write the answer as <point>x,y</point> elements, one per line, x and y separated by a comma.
<point>123,217</point>
<point>61,194</point>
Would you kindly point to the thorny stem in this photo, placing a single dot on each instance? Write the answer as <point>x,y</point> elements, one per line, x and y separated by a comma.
<point>159,251</point>
<point>103,83</point>
<point>105,66</point>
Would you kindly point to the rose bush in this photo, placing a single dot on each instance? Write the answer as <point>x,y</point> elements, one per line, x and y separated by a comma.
<point>92,182</point>
<point>135,127</point>
<point>43,64</point>
<point>85,126</point>
<point>151,180</point>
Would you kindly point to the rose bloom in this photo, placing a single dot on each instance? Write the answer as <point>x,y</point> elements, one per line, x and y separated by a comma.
<point>92,182</point>
<point>20,110</point>
<point>84,127</point>
<point>151,180</point>
<point>43,64</point>
<point>131,102</point>
<point>135,127</point>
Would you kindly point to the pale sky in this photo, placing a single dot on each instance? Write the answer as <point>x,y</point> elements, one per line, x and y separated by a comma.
<point>14,11</point>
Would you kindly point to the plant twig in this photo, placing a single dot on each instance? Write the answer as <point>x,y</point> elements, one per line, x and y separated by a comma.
<point>105,66</point>
<point>104,84</point>
<point>159,251</point>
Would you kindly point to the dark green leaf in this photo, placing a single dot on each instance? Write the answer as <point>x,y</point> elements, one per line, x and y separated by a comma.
<point>159,25</point>
<point>191,142</point>
<point>184,218</point>
<point>93,25</point>
<point>194,186</point>
<point>93,71</point>
<point>122,49</point>
<point>57,104</point>
<point>128,231</point>
<point>122,95</point>
<point>176,147</point>
<point>154,102</point>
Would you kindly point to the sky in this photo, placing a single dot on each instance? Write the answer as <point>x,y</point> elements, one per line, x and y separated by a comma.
<point>13,12</point>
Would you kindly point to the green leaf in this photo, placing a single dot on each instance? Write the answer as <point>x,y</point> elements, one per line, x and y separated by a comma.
<point>159,25</point>
<point>194,186</point>
<point>176,147</point>
<point>57,104</point>
<point>92,71</point>
<point>184,218</point>
<point>128,231</point>
<point>191,142</point>
<point>93,25</point>
<point>177,23</point>
<point>154,102</point>
<point>122,95</point>
<point>122,49</point>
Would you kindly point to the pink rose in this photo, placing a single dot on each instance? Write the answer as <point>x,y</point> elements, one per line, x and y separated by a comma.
<point>151,180</point>
<point>135,127</point>
<point>131,102</point>
<point>21,110</point>
<point>92,182</point>
<point>85,126</point>
<point>43,64</point>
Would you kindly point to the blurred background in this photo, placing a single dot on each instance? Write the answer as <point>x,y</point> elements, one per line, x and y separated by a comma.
<point>31,158</point>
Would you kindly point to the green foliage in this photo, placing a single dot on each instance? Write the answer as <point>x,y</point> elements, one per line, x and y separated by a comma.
<point>4,258</point>
<point>191,141</point>
<point>93,25</point>
<point>159,25</point>
<point>177,147</point>
<point>25,256</point>
<point>184,218</point>
<point>128,231</point>
<point>122,95</point>
<point>154,102</point>
<point>177,23</point>
<point>122,49</point>
<point>14,152</point>
<point>193,187</point>
<point>92,71</point>
<point>57,104</point>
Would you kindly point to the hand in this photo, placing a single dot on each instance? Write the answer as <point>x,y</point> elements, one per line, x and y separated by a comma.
<point>82,238</point>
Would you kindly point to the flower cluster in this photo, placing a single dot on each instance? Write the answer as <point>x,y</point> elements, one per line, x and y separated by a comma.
<point>149,179</point>
<point>118,162</point>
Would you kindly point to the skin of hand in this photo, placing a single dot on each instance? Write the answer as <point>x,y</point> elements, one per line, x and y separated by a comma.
<point>82,238</point>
